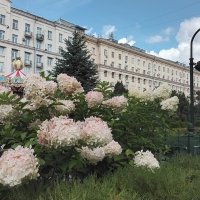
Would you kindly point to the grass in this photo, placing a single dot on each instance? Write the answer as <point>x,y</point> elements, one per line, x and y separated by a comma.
<point>177,179</point>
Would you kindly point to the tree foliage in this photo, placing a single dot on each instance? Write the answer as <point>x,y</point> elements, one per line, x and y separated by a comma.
<point>76,61</point>
<point>119,89</point>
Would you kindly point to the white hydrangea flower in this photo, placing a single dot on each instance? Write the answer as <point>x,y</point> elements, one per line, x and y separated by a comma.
<point>113,148</point>
<point>67,106</point>
<point>37,91</point>
<point>146,159</point>
<point>69,85</point>
<point>170,104</point>
<point>162,92</point>
<point>117,103</point>
<point>17,165</point>
<point>95,131</point>
<point>58,132</point>
<point>92,155</point>
<point>5,111</point>
<point>94,98</point>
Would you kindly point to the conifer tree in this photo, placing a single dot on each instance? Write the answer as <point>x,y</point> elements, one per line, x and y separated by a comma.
<point>76,61</point>
<point>119,89</point>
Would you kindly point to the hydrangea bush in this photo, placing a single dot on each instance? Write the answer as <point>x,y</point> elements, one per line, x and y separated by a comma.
<point>71,132</point>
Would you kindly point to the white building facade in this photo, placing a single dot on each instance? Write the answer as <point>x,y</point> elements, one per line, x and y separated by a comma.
<point>38,42</point>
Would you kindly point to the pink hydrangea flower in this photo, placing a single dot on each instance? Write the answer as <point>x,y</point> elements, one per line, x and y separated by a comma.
<point>94,98</point>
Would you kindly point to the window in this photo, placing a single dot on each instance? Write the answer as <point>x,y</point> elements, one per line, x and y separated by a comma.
<point>144,81</point>
<point>158,68</point>
<point>126,59</point>
<point>39,30</point>
<point>27,28</point>
<point>120,56</point>
<point>38,58</point>
<point>132,69</point>
<point>126,67</point>
<point>60,49</point>
<point>27,56</point>
<point>120,66</point>
<point>2,34</point>
<point>132,60</point>
<point>113,74</point>
<point>1,66</point>
<point>113,54</point>
<point>126,77</point>
<point>143,71</point>
<point>149,66</point>
<point>49,61</point>
<point>39,45</point>
<point>138,62</point>
<point>133,78</point>
<point>49,47</point>
<point>163,69</point>
<point>138,80</point>
<point>112,64</point>
<point>2,50</point>
<point>143,63</point>
<point>15,24</point>
<point>60,37</point>
<point>120,76</point>
<point>27,42</point>
<point>105,53</point>
<point>14,53</point>
<point>93,50</point>
<point>105,62</point>
<point>14,38</point>
<point>2,19</point>
<point>49,35</point>
<point>105,73</point>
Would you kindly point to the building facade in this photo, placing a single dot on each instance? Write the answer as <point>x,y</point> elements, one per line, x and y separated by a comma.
<point>38,42</point>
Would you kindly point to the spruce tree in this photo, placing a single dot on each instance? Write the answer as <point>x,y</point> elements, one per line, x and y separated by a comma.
<point>76,61</point>
<point>119,89</point>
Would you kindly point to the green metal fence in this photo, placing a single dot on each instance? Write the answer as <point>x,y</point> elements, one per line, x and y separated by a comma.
<point>184,144</point>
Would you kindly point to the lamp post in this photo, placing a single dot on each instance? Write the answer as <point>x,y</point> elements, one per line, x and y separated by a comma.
<point>197,67</point>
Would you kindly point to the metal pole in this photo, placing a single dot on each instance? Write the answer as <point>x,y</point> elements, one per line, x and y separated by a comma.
<point>191,127</point>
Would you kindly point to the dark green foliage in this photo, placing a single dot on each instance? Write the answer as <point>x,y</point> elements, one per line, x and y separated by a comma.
<point>76,61</point>
<point>183,106</point>
<point>119,89</point>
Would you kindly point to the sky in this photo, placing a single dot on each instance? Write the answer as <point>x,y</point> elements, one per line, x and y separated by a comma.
<point>161,28</point>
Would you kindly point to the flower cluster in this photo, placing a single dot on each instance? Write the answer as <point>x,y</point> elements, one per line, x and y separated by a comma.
<point>162,92</point>
<point>146,159</point>
<point>94,98</point>
<point>5,112</point>
<point>95,132</point>
<point>65,106</point>
<point>170,104</point>
<point>117,103</point>
<point>94,155</point>
<point>17,165</point>
<point>69,85</point>
<point>38,90</point>
<point>58,132</point>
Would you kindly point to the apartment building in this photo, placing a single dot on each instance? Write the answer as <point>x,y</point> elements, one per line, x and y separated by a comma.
<point>38,42</point>
<point>135,68</point>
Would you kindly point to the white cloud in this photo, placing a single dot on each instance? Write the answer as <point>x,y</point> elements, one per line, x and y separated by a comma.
<point>129,40</point>
<point>181,53</point>
<point>156,39</point>
<point>90,32</point>
<point>107,30</point>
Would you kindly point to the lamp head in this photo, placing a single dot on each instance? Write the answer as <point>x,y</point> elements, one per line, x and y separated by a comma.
<point>197,66</point>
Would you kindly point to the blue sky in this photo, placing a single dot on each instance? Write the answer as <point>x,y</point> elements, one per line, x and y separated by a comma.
<point>163,28</point>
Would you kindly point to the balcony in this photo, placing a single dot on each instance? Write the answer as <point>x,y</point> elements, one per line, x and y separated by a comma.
<point>39,37</point>
<point>28,63</point>
<point>39,65</point>
<point>28,34</point>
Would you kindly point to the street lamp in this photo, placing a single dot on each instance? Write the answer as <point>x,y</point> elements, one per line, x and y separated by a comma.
<point>197,67</point>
